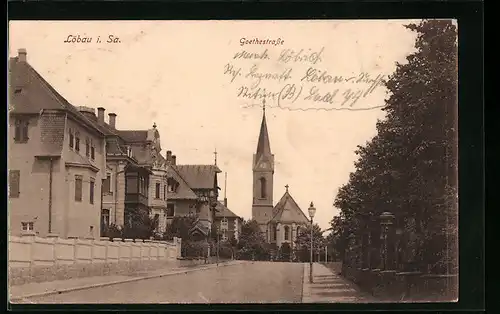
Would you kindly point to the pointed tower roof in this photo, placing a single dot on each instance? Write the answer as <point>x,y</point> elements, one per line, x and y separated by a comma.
<point>263,146</point>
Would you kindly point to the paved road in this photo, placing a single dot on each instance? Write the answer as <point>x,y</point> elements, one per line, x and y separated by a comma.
<point>244,283</point>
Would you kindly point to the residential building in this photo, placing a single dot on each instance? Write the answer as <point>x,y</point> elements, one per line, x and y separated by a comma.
<point>192,190</point>
<point>282,222</point>
<point>126,185</point>
<point>228,223</point>
<point>56,158</point>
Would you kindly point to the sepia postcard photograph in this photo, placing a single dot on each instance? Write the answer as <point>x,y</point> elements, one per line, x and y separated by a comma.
<point>233,161</point>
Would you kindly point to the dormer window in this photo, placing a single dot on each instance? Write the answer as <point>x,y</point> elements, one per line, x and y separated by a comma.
<point>129,151</point>
<point>172,185</point>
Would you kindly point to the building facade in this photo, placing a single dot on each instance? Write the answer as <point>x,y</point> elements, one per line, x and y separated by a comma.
<point>70,171</point>
<point>282,222</point>
<point>56,159</point>
<point>228,223</point>
<point>192,190</point>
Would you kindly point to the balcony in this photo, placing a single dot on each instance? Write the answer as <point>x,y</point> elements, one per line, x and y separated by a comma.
<point>136,198</point>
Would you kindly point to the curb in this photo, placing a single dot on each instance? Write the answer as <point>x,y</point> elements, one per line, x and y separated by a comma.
<point>104,284</point>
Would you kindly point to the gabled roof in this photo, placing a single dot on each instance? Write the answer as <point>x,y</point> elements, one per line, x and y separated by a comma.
<point>223,211</point>
<point>30,93</point>
<point>287,210</point>
<point>184,192</point>
<point>198,226</point>
<point>198,176</point>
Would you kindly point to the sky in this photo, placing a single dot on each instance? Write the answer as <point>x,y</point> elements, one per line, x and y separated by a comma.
<point>203,89</point>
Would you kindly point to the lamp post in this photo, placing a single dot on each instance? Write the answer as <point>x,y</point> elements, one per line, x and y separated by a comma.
<point>386,220</point>
<point>218,245</point>
<point>312,211</point>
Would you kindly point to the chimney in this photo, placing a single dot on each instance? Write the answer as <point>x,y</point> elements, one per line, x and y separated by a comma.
<point>21,55</point>
<point>169,156</point>
<point>100,114</point>
<point>112,120</point>
<point>174,160</point>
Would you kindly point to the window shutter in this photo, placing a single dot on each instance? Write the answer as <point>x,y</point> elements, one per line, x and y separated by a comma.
<point>17,135</point>
<point>25,130</point>
<point>14,183</point>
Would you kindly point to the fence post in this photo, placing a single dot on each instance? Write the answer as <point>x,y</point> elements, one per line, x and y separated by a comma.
<point>54,237</point>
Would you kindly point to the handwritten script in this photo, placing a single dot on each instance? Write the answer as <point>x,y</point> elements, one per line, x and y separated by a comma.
<point>298,79</point>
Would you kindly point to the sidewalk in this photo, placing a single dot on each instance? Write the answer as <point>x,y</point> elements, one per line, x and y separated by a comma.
<point>37,289</point>
<point>328,287</point>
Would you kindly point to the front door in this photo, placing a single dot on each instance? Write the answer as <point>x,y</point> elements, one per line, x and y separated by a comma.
<point>104,221</point>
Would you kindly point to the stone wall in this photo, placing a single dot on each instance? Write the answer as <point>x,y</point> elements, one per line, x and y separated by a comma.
<point>35,259</point>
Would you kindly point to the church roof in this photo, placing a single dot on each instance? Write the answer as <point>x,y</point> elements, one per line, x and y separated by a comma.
<point>263,146</point>
<point>287,210</point>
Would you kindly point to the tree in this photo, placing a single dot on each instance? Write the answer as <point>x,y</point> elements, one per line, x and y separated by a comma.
<point>179,227</point>
<point>409,168</point>
<point>252,244</point>
<point>141,226</point>
<point>303,242</point>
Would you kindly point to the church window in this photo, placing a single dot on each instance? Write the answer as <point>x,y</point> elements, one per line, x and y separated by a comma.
<point>263,188</point>
<point>287,233</point>
<point>297,231</point>
<point>275,232</point>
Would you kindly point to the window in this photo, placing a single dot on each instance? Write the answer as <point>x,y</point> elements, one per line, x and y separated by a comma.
<point>92,152</point>
<point>27,226</point>
<point>77,142</point>
<point>131,186</point>
<point>106,184</point>
<point>287,233</point>
<point>157,190</point>
<point>275,232</point>
<point>71,138</point>
<point>78,188</point>
<point>21,130</point>
<point>87,147</point>
<point>263,188</point>
<point>104,220</point>
<point>224,236</point>
<point>156,221</point>
<point>170,210</point>
<point>165,192</point>
<point>297,232</point>
<point>14,183</point>
<point>91,192</point>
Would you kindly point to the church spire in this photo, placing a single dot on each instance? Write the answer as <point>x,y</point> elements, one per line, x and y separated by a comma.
<point>263,146</point>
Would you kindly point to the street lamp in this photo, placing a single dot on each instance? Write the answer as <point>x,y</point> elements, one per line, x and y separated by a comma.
<point>386,220</point>
<point>218,245</point>
<point>312,211</point>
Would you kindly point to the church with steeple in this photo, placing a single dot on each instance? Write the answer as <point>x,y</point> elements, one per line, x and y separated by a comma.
<point>280,222</point>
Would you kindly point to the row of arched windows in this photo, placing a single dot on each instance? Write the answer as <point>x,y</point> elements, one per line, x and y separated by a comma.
<point>287,232</point>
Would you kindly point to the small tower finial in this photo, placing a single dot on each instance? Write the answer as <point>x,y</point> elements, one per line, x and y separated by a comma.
<point>154,125</point>
<point>286,187</point>
<point>215,156</point>
<point>264,104</point>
